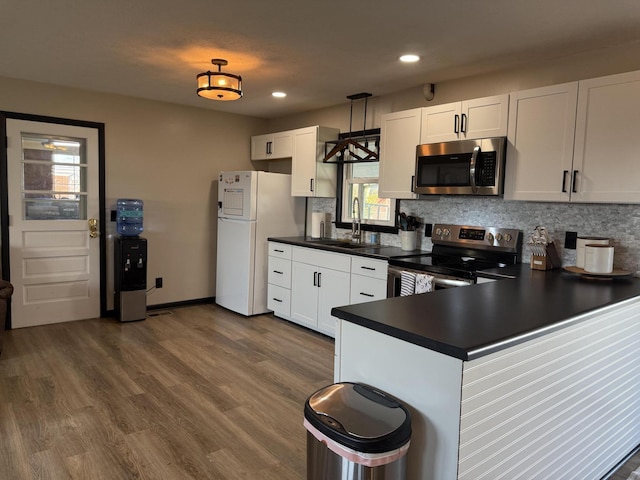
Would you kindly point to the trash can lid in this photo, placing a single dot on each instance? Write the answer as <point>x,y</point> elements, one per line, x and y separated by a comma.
<point>359,416</point>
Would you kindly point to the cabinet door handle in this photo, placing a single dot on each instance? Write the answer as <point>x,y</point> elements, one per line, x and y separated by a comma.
<point>319,279</point>
<point>564,180</point>
<point>367,294</point>
<point>367,268</point>
<point>573,181</point>
<point>278,272</point>
<point>315,279</point>
<point>311,184</point>
<point>279,251</point>
<point>413,183</point>
<point>463,127</point>
<point>277,299</point>
<point>456,122</point>
<point>269,148</point>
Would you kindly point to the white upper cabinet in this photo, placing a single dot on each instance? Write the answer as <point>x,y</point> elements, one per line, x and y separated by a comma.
<point>606,154</point>
<point>310,176</point>
<point>399,137</point>
<point>576,142</point>
<point>471,119</point>
<point>540,143</point>
<point>272,146</point>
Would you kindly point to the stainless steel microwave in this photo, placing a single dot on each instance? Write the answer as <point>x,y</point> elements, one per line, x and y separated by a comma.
<point>463,167</point>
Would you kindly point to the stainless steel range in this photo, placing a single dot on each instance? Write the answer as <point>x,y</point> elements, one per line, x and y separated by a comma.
<point>458,253</point>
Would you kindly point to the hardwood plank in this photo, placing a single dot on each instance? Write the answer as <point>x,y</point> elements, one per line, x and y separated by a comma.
<point>199,393</point>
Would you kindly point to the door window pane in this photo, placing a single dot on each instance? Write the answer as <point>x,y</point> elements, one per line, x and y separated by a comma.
<point>54,174</point>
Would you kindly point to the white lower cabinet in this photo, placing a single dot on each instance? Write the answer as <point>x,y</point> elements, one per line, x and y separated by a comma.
<point>306,283</point>
<point>368,279</point>
<point>319,281</point>
<point>279,280</point>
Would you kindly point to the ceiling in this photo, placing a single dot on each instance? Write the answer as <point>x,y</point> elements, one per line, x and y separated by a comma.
<point>318,52</point>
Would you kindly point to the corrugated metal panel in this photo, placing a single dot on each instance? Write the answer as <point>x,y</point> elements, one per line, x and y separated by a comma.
<point>562,406</point>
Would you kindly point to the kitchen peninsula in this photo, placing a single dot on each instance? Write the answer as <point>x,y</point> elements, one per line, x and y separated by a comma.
<point>530,377</point>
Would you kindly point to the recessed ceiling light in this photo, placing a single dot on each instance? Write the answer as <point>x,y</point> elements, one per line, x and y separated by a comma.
<point>279,94</point>
<point>409,58</point>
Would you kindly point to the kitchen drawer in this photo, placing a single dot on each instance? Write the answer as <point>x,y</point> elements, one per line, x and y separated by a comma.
<point>279,272</point>
<point>279,300</point>
<point>312,256</point>
<point>367,289</point>
<point>281,250</point>
<point>369,267</point>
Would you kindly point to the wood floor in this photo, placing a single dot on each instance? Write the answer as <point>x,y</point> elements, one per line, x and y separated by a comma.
<point>197,393</point>
<point>201,393</point>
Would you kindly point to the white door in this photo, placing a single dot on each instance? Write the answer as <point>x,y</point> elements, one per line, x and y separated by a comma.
<point>334,292</point>
<point>235,265</point>
<point>606,147</point>
<point>53,189</point>
<point>304,294</point>
<point>399,137</point>
<point>540,143</point>
<point>303,163</point>
<point>441,123</point>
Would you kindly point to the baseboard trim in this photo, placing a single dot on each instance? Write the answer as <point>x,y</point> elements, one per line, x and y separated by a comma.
<point>165,306</point>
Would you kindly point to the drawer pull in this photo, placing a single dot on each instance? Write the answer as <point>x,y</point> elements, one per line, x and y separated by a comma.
<point>368,268</point>
<point>279,273</point>
<point>277,299</point>
<point>367,294</point>
<point>279,251</point>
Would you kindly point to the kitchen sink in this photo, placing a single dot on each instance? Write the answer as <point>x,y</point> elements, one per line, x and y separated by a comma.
<point>340,243</point>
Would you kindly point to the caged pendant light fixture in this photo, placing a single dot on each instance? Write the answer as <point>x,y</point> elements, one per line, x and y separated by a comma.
<point>219,85</point>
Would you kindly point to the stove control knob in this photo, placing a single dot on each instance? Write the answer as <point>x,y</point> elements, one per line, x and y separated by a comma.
<point>490,237</point>
<point>508,237</point>
<point>446,232</point>
<point>438,231</point>
<point>499,237</point>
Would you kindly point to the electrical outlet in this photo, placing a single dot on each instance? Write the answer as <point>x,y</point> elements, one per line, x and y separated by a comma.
<point>570,240</point>
<point>159,282</point>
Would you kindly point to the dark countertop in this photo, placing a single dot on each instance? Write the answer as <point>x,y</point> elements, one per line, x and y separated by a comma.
<point>470,322</point>
<point>381,252</point>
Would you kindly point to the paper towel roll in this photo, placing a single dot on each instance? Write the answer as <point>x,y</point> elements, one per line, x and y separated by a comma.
<point>318,224</point>
<point>598,258</point>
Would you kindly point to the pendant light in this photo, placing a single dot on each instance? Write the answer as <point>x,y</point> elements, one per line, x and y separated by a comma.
<point>219,85</point>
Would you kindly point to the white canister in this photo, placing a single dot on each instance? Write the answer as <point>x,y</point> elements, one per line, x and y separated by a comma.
<point>580,250</point>
<point>598,258</point>
<point>408,240</point>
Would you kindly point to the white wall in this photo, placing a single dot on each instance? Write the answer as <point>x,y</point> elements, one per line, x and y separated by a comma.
<point>165,154</point>
<point>577,67</point>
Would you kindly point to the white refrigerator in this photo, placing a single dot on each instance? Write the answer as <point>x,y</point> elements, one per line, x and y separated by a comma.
<point>252,206</point>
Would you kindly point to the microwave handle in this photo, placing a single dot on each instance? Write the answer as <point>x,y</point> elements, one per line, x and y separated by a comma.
<point>473,166</point>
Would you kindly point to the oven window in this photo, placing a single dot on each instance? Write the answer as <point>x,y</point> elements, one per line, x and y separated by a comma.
<point>444,170</point>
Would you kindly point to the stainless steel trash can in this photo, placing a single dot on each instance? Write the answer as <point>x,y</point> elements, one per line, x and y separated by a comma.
<point>356,432</point>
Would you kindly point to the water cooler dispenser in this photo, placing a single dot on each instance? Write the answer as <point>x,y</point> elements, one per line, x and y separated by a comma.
<point>130,268</point>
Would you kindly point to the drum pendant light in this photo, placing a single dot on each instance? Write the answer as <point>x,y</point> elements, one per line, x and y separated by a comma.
<point>219,85</point>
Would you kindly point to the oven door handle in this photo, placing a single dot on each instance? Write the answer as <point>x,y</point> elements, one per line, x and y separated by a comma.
<point>449,282</point>
<point>473,167</point>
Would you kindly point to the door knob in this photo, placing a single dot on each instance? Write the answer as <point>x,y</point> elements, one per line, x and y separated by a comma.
<point>93,228</point>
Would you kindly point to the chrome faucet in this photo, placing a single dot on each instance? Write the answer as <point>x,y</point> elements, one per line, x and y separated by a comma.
<point>356,233</point>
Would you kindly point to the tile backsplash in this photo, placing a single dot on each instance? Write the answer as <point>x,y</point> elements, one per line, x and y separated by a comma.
<point>619,222</point>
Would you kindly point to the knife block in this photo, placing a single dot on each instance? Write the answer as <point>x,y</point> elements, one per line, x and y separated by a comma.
<point>549,261</point>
